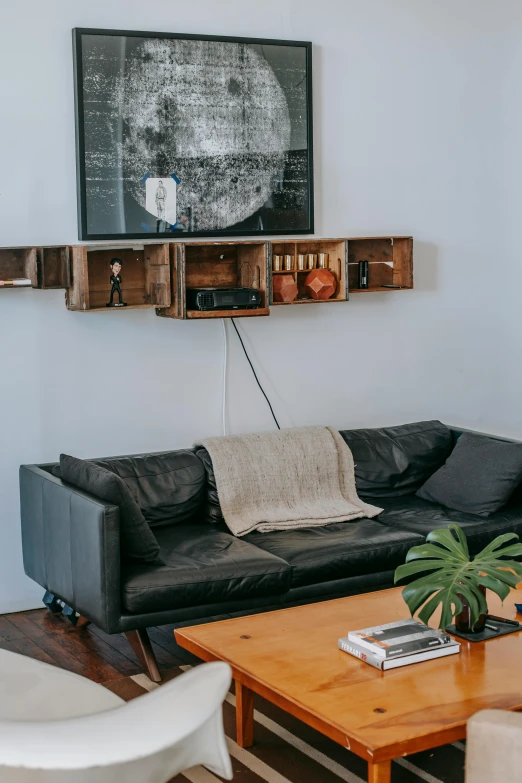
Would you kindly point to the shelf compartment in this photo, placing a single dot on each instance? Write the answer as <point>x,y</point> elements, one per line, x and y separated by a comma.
<point>337,263</point>
<point>19,263</point>
<point>54,270</point>
<point>145,276</point>
<point>390,263</point>
<point>216,265</point>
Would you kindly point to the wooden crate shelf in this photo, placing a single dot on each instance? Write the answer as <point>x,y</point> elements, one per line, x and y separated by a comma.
<point>45,267</point>
<point>337,264</point>
<point>390,263</point>
<point>17,263</point>
<point>145,276</point>
<point>220,265</point>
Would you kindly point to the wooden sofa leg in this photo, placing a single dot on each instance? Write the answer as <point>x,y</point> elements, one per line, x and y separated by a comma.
<point>140,643</point>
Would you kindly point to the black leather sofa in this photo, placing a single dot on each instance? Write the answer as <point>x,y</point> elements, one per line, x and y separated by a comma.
<point>72,548</point>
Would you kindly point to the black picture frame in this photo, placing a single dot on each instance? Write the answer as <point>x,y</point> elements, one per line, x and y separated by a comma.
<point>82,201</point>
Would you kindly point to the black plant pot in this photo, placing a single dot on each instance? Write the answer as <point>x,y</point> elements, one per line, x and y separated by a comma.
<point>463,619</point>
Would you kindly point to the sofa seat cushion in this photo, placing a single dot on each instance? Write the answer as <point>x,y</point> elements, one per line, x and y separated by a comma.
<point>204,564</point>
<point>393,461</point>
<point>343,549</point>
<point>419,516</point>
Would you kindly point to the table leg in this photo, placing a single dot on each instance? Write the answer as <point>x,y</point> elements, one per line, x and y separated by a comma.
<point>380,772</point>
<point>245,716</point>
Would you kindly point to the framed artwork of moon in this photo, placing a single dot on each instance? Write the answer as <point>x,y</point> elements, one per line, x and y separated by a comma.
<point>192,136</point>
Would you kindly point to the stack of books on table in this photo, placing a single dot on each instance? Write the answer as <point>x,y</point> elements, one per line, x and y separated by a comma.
<point>398,644</point>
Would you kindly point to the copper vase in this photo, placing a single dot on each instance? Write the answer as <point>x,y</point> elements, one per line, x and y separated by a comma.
<point>284,288</point>
<point>320,284</point>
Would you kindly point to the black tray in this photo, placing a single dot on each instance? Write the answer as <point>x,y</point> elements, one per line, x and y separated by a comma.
<point>482,636</point>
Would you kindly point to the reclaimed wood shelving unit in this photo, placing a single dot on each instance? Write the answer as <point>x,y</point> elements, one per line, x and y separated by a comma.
<point>337,264</point>
<point>158,274</point>
<point>145,276</point>
<point>390,263</point>
<point>217,264</point>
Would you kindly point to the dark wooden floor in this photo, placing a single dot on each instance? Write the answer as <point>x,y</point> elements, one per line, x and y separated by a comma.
<point>86,651</point>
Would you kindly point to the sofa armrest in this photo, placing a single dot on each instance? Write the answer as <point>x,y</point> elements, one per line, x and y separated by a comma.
<point>494,747</point>
<point>458,431</point>
<point>71,545</point>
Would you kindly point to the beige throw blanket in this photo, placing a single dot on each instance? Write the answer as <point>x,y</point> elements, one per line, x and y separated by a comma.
<point>283,480</point>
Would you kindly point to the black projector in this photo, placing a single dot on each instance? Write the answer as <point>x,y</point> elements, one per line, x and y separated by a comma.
<point>223,298</point>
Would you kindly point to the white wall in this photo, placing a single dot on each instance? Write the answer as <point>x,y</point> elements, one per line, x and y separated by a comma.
<point>417,131</point>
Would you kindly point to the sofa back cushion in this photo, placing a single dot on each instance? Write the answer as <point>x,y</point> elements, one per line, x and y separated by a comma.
<point>393,461</point>
<point>479,477</point>
<point>211,506</point>
<point>137,539</point>
<point>169,488</point>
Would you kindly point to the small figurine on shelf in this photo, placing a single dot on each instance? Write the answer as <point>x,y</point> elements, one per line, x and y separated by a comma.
<point>115,280</point>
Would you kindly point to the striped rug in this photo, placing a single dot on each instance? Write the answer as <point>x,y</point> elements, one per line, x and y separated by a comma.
<point>288,751</point>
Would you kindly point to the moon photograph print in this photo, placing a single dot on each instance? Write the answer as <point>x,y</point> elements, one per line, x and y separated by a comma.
<point>183,135</point>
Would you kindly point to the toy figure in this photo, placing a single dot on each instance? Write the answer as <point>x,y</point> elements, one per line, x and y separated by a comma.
<point>115,280</point>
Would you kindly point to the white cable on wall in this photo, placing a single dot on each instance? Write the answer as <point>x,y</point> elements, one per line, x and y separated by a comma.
<point>224,395</point>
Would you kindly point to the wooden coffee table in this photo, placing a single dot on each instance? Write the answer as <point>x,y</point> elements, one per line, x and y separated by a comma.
<point>290,657</point>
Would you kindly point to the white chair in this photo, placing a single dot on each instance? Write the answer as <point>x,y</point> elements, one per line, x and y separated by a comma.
<point>61,728</point>
<point>494,747</point>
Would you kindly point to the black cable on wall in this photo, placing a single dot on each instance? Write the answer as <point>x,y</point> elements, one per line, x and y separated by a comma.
<point>255,375</point>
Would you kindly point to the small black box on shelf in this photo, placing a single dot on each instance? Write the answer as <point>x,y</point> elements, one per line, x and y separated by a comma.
<point>363,274</point>
<point>223,298</point>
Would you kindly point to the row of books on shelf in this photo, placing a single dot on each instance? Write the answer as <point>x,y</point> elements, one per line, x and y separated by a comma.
<point>398,644</point>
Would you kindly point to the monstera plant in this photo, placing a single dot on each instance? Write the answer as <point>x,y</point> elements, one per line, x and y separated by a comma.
<point>454,579</point>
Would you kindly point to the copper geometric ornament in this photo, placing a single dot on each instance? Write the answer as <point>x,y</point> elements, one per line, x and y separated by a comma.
<point>284,288</point>
<point>320,284</point>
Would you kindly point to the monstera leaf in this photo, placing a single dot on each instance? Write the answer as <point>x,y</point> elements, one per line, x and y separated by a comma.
<point>450,574</point>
